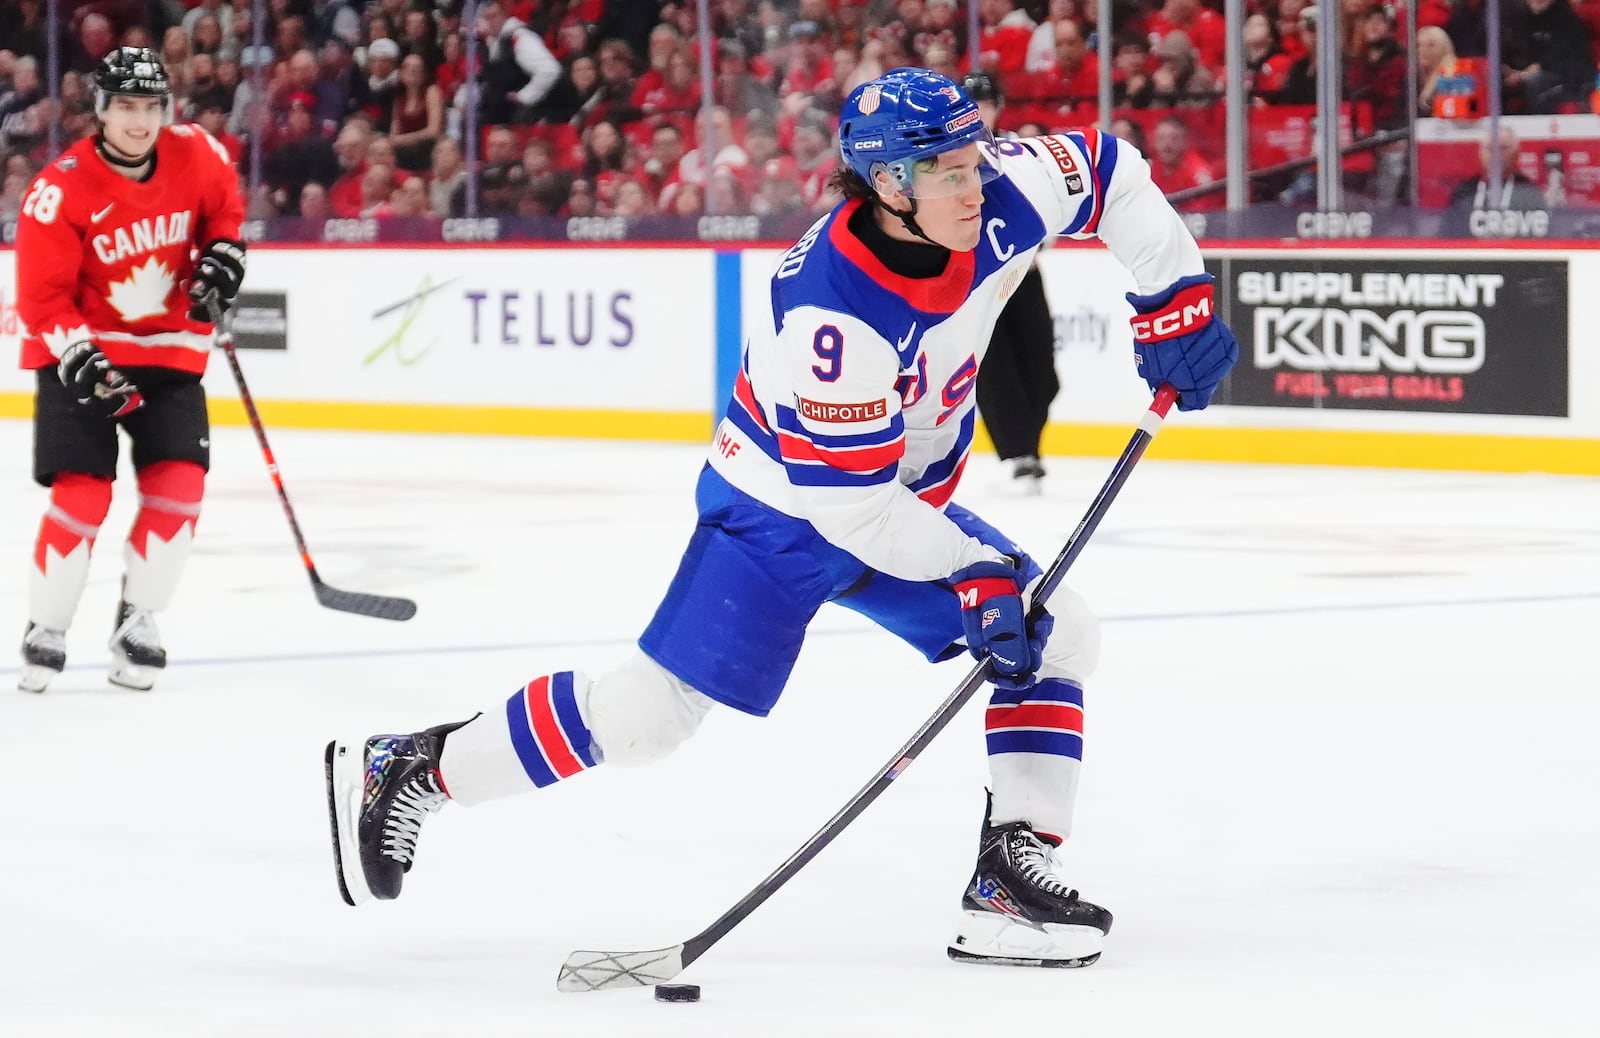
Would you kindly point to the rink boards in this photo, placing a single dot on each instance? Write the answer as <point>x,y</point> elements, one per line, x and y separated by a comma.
<point>1426,357</point>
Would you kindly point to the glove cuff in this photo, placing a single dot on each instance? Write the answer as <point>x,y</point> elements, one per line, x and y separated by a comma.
<point>1188,310</point>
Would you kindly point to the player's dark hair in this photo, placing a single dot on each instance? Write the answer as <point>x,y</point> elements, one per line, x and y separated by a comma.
<point>848,183</point>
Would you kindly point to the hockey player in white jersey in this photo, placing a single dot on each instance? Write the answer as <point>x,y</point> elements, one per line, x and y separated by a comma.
<point>829,480</point>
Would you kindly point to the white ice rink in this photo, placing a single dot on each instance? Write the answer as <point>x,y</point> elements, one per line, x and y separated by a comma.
<point>1343,763</point>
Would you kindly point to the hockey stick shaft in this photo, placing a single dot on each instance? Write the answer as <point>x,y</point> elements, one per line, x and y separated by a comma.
<point>588,971</point>
<point>383,607</point>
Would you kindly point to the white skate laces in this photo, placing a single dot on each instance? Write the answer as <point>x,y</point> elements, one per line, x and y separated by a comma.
<point>44,641</point>
<point>1034,859</point>
<point>412,804</point>
<point>138,632</point>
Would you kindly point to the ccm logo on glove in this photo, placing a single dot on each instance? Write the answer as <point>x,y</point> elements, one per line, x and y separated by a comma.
<point>1188,310</point>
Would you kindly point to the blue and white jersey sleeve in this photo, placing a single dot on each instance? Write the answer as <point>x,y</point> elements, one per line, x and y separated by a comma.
<point>1088,184</point>
<point>821,400</point>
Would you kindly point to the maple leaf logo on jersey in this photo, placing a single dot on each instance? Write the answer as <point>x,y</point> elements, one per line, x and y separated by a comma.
<point>144,292</point>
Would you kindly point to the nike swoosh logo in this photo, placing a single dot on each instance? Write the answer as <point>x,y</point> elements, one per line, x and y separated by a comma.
<point>101,215</point>
<point>901,344</point>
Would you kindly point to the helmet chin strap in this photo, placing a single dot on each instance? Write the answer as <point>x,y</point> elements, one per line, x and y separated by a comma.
<point>909,219</point>
<point>116,157</point>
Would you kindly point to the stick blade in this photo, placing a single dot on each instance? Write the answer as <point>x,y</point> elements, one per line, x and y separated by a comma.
<point>611,971</point>
<point>383,607</point>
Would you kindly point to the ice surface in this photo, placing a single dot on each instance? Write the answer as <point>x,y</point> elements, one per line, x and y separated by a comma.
<point>1341,774</point>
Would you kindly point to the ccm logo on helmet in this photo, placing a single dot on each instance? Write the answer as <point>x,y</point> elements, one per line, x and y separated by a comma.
<point>1189,310</point>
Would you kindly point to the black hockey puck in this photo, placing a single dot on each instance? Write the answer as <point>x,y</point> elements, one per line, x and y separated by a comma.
<point>677,992</point>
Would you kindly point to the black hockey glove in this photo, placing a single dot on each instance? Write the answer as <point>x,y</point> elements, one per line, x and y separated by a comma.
<point>217,278</point>
<point>97,385</point>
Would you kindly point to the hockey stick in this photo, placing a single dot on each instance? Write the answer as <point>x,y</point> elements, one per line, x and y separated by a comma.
<point>383,607</point>
<point>604,971</point>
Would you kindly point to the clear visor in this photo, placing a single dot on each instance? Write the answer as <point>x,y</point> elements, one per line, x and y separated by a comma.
<point>952,172</point>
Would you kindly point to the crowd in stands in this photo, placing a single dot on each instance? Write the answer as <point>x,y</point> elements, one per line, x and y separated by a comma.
<point>594,107</point>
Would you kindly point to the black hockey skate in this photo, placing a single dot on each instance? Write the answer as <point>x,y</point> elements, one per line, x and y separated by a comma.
<point>1018,912</point>
<point>1027,477</point>
<point>380,790</point>
<point>44,655</point>
<point>136,652</point>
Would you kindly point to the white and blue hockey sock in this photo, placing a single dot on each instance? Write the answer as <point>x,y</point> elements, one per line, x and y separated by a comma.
<point>1035,742</point>
<point>536,739</point>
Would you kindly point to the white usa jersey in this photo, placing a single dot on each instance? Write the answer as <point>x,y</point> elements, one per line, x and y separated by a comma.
<point>854,408</point>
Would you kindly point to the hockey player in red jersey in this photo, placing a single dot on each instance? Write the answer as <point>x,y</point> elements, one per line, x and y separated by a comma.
<point>124,243</point>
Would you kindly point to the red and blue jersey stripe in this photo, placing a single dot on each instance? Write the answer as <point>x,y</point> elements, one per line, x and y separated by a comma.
<point>547,730</point>
<point>938,481</point>
<point>1102,164</point>
<point>1046,717</point>
<point>817,459</point>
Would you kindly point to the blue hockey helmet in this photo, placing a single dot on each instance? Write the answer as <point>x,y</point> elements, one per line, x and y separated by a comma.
<point>909,114</point>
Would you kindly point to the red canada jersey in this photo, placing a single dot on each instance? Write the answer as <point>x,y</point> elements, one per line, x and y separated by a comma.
<point>103,257</point>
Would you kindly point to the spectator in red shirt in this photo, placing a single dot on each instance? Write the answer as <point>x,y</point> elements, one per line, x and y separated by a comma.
<point>1174,166</point>
<point>613,100</point>
<point>809,68</point>
<point>665,41</point>
<point>350,147</point>
<point>1289,28</point>
<point>1075,79</point>
<point>678,97</point>
<point>1003,37</point>
<point>1376,74</point>
<point>1203,26</point>
<point>661,168</point>
<point>417,118</point>
<point>1042,45</point>
<point>452,70</point>
<point>1266,67</point>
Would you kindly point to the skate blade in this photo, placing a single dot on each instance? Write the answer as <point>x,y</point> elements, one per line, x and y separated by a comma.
<point>957,955</point>
<point>133,676</point>
<point>996,940</point>
<point>35,678</point>
<point>342,766</point>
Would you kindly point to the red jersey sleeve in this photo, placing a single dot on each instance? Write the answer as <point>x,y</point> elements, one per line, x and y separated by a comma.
<point>50,233</point>
<point>221,204</point>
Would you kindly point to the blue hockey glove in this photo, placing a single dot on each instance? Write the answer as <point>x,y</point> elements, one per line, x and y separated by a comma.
<point>1177,339</point>
<point>995,622</point>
